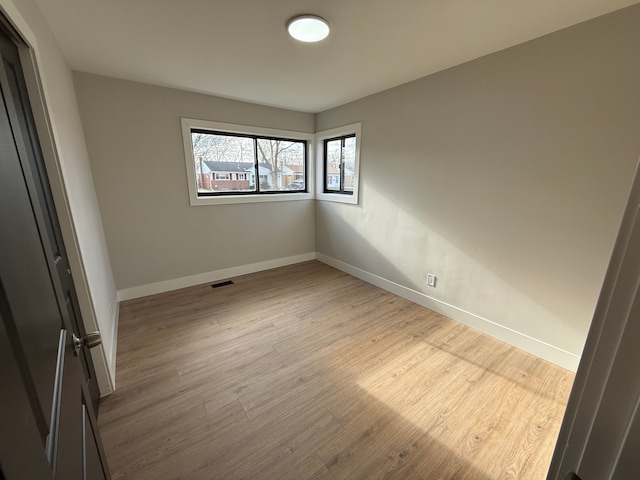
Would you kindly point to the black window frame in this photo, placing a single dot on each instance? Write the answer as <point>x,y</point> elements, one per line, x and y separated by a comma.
<point>325,166</point>
<point>255,138</point>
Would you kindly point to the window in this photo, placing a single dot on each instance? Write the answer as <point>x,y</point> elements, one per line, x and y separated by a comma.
<point>339,163</point>
<point>236,164</point>
<point>235,159</point>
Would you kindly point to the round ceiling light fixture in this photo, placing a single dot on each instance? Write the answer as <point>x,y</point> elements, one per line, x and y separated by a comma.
<point>308,28</point>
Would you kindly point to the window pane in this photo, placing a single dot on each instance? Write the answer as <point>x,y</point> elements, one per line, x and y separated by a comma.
<point>349,158</point>
<point>223,163</point>
<point>332,180</point>
<point>281,165</point>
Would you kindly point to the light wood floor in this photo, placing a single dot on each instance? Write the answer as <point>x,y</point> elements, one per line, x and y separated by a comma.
<point>306,373</point>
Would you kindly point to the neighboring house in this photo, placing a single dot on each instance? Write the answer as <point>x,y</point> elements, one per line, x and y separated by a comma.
<point>225,176</point>
<point>285,176</point>
<point>292,173</point>
<point>333,178</point>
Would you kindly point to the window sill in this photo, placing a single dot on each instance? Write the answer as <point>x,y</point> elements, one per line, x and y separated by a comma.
<point>337,197</point>
<point>229,200</point>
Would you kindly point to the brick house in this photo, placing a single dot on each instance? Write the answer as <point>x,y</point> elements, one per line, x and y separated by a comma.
<point>333,178</point>
<point>225,176</point>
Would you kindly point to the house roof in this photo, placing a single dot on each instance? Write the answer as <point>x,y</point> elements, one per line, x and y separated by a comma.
<point>240,167</point>
<point>374,45</point>
<point>228,166</point>
<point>336,171</point>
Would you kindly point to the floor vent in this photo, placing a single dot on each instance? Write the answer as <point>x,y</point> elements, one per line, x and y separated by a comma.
<point>222,284</point>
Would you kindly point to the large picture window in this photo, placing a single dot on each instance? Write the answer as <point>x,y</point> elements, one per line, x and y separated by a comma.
<point>228,163</point>
<point>245,163</point>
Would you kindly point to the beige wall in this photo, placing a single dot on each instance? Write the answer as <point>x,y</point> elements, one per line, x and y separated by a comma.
<point>58,121</point>
<point>135,143</point>
<point>506,177</point>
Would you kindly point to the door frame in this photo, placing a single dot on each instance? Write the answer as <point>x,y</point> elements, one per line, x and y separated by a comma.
<point>583,446</point>
<point>18,27</point>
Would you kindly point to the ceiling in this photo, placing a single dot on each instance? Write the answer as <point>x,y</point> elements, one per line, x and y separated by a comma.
<point>240,48</point>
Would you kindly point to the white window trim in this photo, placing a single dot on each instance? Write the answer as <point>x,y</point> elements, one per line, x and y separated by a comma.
<point>354,128</point>
<point>195,200</point>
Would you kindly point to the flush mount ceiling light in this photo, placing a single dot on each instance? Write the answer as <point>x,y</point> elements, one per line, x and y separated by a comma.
<point>308,28</point>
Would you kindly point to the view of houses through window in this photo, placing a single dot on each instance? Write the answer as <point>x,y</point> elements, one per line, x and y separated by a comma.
<point>340,158</point>
<point>227,163</point>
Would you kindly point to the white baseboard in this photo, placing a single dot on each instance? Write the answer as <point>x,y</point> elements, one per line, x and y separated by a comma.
<point>520,340</point>
<point>105,361</point>
<point>104,374</point>
<point>114,346</point>
<point>168,285</point>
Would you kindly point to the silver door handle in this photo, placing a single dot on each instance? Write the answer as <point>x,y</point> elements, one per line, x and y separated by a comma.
<point>90,340</point>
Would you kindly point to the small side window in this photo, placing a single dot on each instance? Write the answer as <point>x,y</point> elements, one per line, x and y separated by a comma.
<point>238,164</point>
<point>339,163</point>
<point>339,167</point>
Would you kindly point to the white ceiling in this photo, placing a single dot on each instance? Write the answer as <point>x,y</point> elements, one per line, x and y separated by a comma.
<point>240,48</point>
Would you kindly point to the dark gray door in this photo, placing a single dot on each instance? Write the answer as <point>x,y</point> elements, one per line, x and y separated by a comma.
<point>50,390</point>
<point>29,152</point>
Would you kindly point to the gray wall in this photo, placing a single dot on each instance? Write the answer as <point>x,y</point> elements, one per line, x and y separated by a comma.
<point>153,235</point>
<point>506,177</point>
<point>56,111</point>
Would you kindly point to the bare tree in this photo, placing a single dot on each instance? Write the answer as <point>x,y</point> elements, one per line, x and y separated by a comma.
<point>341,151</point>
<point>273,154</point>
<point>277,153</point>
<point>221,148</point>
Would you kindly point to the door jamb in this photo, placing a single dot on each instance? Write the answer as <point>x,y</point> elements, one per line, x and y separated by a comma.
<point>17,26</point>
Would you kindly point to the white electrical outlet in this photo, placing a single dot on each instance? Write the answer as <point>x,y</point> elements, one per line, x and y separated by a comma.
<point>431,279</point>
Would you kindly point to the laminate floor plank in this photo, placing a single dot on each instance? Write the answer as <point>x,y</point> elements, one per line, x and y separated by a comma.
<point>311,467</point>
<point>304,372</point>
